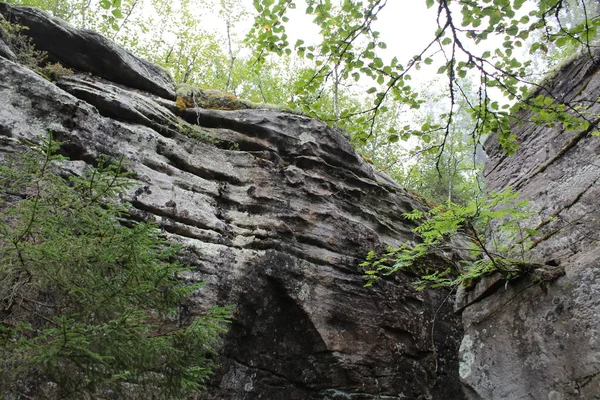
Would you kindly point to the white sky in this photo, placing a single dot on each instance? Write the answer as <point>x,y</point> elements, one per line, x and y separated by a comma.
<point>406,26</point>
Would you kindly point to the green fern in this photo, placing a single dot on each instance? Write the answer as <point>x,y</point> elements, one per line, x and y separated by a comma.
<point>496,236</point>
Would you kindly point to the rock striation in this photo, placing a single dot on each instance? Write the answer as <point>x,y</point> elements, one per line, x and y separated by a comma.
<point>527,341</point>
<point>274,211</point>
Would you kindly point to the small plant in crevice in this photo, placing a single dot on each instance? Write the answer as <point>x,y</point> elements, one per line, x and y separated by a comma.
<point>191,97</point>
<point>89,298</point>
<point>54,71</point>
<point>490,234</point>
<point>196,132</point>
<point>181,103</point>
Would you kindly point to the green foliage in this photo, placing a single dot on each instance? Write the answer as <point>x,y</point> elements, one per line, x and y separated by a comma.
<point>14,35</point>
<point>351,49</point>
<point>89,297</point>
<point>490,232</point>
<point>55,71</point>
<point>15,38</point>
<point>106,13</point>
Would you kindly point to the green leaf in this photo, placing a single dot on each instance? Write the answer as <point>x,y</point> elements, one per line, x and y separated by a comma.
<point>561,41</point>
<point>518,4</point>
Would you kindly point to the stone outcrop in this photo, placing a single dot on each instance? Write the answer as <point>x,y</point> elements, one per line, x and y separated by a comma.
<point>528,341</point>
<point>88,51</point>
<point>274,210</point>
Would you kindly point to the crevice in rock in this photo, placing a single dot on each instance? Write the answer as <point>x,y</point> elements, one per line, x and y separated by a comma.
<point>184,220</point>
<point>586,380</point>
<point>561,153</point>
<point>183,231</point>
<point>288,248</point>
<point>162,168</point>
<point>557,213</point>
<point>205,173</point>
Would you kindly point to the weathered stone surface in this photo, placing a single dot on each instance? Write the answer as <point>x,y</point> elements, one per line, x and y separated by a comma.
<point>524,341</point>
<point>486,286</point>
<point>275,212</point>
<point>5,51</point>
<point>88,51</point>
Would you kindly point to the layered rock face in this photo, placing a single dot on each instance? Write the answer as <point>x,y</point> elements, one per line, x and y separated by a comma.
<point>524,342</point>
<point>275,211</point>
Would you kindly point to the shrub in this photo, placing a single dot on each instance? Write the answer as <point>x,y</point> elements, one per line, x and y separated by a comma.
<point>89,297</point>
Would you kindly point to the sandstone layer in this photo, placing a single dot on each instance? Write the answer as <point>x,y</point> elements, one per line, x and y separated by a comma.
<point>275,211</point>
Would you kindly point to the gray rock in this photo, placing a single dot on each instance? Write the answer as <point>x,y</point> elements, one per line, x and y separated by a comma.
<point>275,212</point>
<point>5,50</point>
<point>526,341</point>
<point>88,51</point>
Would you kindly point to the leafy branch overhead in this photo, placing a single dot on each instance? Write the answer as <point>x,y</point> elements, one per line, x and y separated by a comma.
<point>491,233</point>
<point>350,49</point>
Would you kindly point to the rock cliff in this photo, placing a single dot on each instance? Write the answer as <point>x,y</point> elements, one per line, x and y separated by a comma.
<point>274,211</point>
<point>526,341</point>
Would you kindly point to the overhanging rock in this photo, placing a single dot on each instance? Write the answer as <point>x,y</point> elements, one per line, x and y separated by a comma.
<point>275,211</point>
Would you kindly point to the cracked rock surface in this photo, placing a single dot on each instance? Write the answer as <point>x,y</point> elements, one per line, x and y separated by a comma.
<point>524,342</point>
<point>275,212</point>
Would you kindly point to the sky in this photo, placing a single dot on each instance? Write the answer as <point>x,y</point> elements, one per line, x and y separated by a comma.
<point>406,26</point>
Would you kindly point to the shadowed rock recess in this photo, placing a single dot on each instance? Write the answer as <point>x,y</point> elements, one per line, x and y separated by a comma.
<point>275,211</point>
<point>524,342</point>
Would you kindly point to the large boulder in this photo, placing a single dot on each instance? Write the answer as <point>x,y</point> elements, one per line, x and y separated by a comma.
<point>88,51</point>
<point>532,341</point>
<point>274,211</point>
